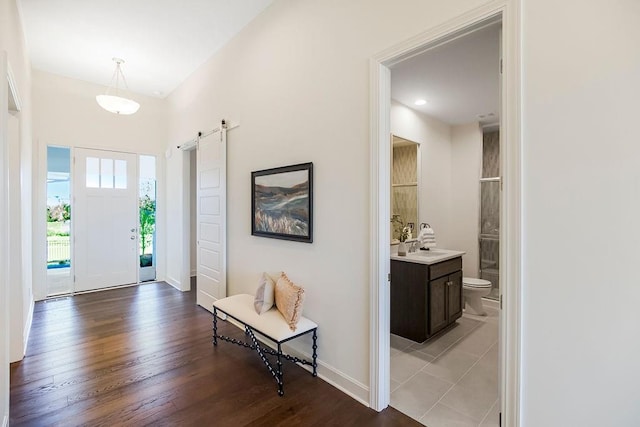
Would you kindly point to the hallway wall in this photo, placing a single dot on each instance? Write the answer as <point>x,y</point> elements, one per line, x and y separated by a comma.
<point>16,297</point>
<point>296,81</point>
<point>581,204</point>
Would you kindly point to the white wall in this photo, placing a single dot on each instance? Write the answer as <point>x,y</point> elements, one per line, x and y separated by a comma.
<point>466,164</point>
<point>296,79</point>
<point>14,296</point>
<point>434,196</point>
<point>66,114</point>
<point>581,203</point>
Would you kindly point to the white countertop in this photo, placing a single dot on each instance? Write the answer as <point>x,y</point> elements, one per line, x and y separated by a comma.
<point>432,256</point>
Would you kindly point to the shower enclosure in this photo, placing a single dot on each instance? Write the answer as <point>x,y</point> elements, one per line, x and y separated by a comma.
<point>489,238</point>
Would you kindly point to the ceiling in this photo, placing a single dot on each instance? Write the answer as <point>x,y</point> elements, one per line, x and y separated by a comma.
<point>161,41</point>
<point>164,41</point>
<point>458,79</point>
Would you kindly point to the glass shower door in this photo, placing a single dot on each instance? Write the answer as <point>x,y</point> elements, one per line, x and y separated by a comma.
<point>489,239</point>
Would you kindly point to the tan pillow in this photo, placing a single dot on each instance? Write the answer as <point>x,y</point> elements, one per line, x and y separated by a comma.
<point>289,300</point>
<point>265,294</point>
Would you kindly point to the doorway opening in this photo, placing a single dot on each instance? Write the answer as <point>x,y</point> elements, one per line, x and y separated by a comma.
<point>101,219</point>
<point>441,98</point>
<point>507,354</point>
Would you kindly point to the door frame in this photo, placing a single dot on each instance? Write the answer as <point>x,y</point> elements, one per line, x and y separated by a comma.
<point>4,289</point>
<point>40,289</point>
<point>510,210</point>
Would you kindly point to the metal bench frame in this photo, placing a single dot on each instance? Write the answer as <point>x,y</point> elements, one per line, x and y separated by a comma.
<point>262,351</point>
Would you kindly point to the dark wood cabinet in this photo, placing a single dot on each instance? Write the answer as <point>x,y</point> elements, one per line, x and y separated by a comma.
<point>425,298</point>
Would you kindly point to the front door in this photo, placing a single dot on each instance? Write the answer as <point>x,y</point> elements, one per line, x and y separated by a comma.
<point>106,221</point>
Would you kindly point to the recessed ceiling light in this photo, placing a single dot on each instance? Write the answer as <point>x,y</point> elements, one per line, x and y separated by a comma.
<point>420,102</point>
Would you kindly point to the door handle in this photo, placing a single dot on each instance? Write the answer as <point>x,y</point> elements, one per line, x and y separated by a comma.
<point>133,230</point>
<point>133,237</point>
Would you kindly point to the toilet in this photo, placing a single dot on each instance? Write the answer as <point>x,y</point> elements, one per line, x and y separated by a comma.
<point>473,290</point>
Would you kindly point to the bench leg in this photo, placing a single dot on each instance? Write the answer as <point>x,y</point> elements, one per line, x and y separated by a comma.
<point>215,326</point>
<point>315,353</point>
<point>279,374</point>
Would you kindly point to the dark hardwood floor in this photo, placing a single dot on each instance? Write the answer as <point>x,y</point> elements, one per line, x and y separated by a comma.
<point>143,355</point>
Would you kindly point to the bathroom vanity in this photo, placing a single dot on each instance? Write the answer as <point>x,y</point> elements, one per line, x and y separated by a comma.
<point>426,292</point>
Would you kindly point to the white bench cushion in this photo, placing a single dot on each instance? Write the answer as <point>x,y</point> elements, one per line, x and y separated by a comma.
<point>270,323</point>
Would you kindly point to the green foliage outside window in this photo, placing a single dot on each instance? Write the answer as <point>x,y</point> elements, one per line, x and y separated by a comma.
<point>147,222</point>
<point>59,213</point>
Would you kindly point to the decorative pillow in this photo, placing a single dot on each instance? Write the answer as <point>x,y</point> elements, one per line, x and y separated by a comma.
<point>265,294</point>
<point>289,300</point>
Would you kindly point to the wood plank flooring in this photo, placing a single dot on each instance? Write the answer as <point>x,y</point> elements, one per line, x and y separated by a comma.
<point>143,356</point>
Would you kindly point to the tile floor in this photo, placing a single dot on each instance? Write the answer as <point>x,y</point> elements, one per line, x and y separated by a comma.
<point>451,380</point>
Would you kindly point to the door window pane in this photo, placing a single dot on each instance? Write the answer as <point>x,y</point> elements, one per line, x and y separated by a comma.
<point>106,173</point>
<point>93,172</point>
<point>121,174</point>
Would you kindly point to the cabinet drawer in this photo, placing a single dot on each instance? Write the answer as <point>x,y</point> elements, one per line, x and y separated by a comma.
<point>445,267</point>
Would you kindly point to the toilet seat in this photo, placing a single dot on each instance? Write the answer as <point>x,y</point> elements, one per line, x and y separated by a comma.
<point>472,282</point>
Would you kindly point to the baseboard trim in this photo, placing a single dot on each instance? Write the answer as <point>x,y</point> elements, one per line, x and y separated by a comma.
<point>91,291</point>
<point>173,282</point>
<point>491,303</point>
<point>336,378</point>
<point>27,326</point>
<point>205,300</point>
<point>326,372</point>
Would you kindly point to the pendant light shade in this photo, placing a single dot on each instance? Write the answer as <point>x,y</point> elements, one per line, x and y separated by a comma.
<point>115,103</point>
<point>118,105</point>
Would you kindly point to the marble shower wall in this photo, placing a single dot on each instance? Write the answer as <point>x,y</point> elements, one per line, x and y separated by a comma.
<point>405,172</point>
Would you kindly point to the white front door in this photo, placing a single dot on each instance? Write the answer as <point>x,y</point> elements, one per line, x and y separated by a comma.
<point>105,215</point>
<point>211,219</point>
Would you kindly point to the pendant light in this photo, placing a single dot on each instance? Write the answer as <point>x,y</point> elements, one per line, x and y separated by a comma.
<point>114,103</point>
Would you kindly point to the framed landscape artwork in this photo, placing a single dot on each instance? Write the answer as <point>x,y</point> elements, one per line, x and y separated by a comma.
<point>282,203</point>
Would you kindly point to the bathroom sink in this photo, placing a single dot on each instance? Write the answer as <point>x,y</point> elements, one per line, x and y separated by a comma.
<point>431,256</point>
<point>429,253</point>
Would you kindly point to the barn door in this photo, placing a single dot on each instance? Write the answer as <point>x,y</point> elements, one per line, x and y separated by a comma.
<point>211,218</point>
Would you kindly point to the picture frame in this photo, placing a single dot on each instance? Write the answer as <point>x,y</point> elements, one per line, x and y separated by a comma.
<point>282,203</point>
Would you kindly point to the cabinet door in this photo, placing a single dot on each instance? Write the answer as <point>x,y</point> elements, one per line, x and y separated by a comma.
<point>438,318</point>
<point>408,298</point>
<point>454,299</point>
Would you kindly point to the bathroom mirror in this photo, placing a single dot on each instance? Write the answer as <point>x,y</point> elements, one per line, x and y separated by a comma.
<point>404,185</point>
